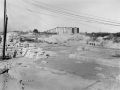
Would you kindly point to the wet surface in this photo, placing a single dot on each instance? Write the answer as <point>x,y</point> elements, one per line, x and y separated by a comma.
<point>87,70</point>
<point>47,79</point>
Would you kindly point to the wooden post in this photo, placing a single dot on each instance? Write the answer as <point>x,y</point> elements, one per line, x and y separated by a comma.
<point>4,29</point>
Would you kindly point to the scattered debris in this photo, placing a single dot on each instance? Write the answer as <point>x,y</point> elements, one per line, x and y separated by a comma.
<point>78,62</point>
<point>118,78</point>
<point>72,55</point>
<point>83,48</point>
<point>38,53</point>
<point>98,68</point>
<point>44,62</point>
<point>101,75</point>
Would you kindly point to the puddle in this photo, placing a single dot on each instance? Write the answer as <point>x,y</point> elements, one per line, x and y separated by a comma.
<point>87,70</point>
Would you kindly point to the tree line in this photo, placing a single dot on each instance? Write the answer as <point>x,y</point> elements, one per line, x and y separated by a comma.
<point>102,34</point>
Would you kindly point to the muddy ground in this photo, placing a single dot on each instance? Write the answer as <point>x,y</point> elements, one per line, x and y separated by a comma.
<point>93,69</point>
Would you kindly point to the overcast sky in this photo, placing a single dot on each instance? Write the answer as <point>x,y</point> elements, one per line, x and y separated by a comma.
<point>30,14</point>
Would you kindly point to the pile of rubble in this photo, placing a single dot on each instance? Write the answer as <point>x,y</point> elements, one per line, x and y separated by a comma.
<point>83,48</point>
<point>65,37</point>
<point>58,38</point>
<point>2,65</point>
<point>38,53</point>
<point>111,44</point>
<point>32,53</point>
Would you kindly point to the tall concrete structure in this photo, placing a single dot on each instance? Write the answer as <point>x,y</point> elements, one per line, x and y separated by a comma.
<point>64,30</point>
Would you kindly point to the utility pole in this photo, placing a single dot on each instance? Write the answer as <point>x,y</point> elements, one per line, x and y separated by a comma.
<point>4,29</point>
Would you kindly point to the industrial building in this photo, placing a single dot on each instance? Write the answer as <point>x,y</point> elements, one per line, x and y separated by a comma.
<point>64,30</point>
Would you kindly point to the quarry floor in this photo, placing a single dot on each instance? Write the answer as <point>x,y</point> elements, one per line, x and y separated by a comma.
<point>91,69</point>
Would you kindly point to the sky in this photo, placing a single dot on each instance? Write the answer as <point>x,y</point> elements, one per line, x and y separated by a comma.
<point>47,14</point>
